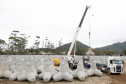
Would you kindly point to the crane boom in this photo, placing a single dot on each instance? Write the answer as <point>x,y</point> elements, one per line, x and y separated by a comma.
<point>76,34</point>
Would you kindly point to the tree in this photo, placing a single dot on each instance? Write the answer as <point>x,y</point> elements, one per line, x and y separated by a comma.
<point>17,42</point>
<point>37,42</point>
<point>124,51</point>
<point>3,46</point>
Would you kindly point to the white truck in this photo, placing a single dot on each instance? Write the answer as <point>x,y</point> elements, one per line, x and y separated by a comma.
<point>111,65</point>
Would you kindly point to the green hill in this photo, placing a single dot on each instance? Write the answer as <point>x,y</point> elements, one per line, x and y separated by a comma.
<point>66,47</point>
<point>119,46</point>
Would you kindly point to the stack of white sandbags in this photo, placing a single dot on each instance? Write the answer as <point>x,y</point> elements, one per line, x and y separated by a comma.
<point>30,73</point>
<point>12,66</point>
<point>63,73</point>
<point>67,66</point>
<point>17,71</point>
<point>4,70</point>
<point>93,70</point>
<point>80,72</point>
<point>54,68</point>
<point>22,76</point>
<point>40,67</point>
<point>48,72</point>
<point>33,67</point>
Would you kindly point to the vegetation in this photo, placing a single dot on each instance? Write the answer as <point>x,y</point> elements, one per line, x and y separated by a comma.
<point>116,46</point>
<point>124,52</point>
<point>17,46</point>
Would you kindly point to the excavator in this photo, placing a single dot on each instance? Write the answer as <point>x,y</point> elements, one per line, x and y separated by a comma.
<point>69,58</point>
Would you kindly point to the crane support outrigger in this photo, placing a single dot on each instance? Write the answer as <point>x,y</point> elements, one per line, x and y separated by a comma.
<point>69,58</point>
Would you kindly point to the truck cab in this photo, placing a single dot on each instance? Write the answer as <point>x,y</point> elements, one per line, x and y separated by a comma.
<point>114,65</point>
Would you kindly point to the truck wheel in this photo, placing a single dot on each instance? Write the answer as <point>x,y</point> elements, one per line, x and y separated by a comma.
<point>108,71</point>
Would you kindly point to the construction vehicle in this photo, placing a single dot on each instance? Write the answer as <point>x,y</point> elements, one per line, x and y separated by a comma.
<point>111,64</point>
<point>69,57</point>
<point>56,62</point>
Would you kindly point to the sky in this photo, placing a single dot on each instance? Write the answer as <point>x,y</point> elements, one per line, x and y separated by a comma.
<point>59,19</point>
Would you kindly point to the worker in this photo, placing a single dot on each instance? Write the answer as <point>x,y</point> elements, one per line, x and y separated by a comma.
<point>86,65</point>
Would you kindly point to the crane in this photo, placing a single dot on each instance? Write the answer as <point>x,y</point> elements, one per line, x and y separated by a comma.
<point>69,58</point>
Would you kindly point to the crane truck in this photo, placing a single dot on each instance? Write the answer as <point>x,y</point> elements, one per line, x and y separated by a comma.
<point>69,57</point>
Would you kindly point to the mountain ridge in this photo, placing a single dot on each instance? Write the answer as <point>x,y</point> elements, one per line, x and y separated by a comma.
<point>118,46</point>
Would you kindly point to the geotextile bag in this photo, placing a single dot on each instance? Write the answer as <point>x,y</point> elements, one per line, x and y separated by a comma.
<point>22,76</point>
<point>80,72</point>
<point>46,75</point>
<point>63,73</point>
<point>93,70</point>
<point>31,76</point>
<point>30,73</point>
<point>7,74</point>
<point>14,76</point>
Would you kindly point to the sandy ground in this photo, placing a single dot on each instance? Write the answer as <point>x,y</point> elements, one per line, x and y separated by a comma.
<point>124,68</point>
<point>104,79</point>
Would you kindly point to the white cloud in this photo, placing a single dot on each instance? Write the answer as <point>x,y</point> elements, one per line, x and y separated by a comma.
<point>58,19</point>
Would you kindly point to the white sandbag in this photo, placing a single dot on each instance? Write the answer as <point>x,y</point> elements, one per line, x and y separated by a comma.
<point>93,70</point>
<point>81,75</point>
<point>7,74</point>
<point>63,76</point>
<point>30,73</point>
<point>58,77</point>
<point>47,76</point>
<point>68,69</point>
<point>12,68</point>
<point>63,73</point>
<point>18,69</point>
<point>40,69</point>
<point>86,74</point>
<point>35,71</point>
<point>67,76</point>
<point>4,66</point>
<point>14,76</point>
<point>1,73</point>
<point>22,76</point>
<point>74,74</point>
<point>47,73</point>
<point>90,72</point>
<point>53,70</point>
<point>31,76</point>
<point>4,72</point>
<point>98,72</point>
<point>63,67</point>
<point>36,64</point>
<point>80,72</point>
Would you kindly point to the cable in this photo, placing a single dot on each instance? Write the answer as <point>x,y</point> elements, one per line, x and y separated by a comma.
<point>89,28</point>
